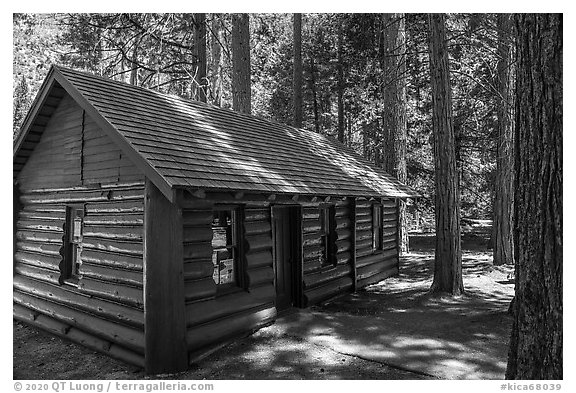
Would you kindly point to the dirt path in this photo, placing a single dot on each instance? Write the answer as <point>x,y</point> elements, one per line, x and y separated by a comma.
<point>393,330</point>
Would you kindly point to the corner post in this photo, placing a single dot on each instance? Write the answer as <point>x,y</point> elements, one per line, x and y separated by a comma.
<point>164,304</point>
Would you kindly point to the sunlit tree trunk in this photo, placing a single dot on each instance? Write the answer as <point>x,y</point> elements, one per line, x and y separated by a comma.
<point>394,111</point>
<point>340,84</point>
<point>241,94</point>
<point>448,256</point>
<point>199,85</point>
<point>536,341</point>
<point>216,42</point>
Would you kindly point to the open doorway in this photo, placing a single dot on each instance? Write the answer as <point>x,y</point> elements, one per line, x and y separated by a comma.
<point>286,232</point>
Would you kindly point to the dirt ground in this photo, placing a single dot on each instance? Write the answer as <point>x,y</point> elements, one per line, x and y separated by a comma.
<point>391,330</point>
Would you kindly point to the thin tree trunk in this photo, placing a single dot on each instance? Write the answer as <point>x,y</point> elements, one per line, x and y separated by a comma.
<point>314,93</point>
<point>241,93</point>
<point>199,85</point>
<point>504,194</point>
<point>448,255</point>
<point>134,66</point>
<point>340,85</point>
<point>298,70</point>
<point>536,342</point>
<point>216,42</point>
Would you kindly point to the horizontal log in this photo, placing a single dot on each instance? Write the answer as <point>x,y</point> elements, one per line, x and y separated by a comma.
<point>224,328</point>
<point>259,259</point>
<point>198,218</point>
<point>59,216</point>
<point>363,220</point>
<point>260,276</point>
<point>83,196</point>
<point>40,237</point>
<point>70,297</point>
<point>311,213</point>
<point>115,219</point>
<point>389,217</point>
<point>343,258</point>
<point>43,261</point>
<point>117,276</point>
<point>58,209</point>
<point>113,260</point>
<point>311,239</point>
<point>113,245</point>
<point>342,212</point>
<point>344,224</point>
<point>22,313</point>
<point>362,211</point>
<point>312,266</point>
<point>362,252</point>
<point>325,275</point>
<point>258,243</point>
<point>256,215</point>
<point>310,226</point>
<point>365,243</point>
<point>128,233</point>
<point>364,226</point>
<point>210,310</point>
<point>197,234</point>
<point>90,341</point>
<point>199,289</point>
<point>38,225</point>
<point>120,207</point>
<point>389,231</point>
<point>343,245</point>
<point>201,250</point>
<point>130,296</point>
<point>377,277</point>
<point>40,248</point>
<point>363,235</point>
<point>345,233</point>
<point>390,203</point>
<point>198,269</point>
<point>38,273</point>
<point>312,252</point>
<point>375,268</point>
<point>121,334</point>
<point>324,292</point>
<point>257,227</point>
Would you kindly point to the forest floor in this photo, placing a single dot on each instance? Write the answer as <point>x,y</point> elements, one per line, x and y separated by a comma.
<point>391,330</point>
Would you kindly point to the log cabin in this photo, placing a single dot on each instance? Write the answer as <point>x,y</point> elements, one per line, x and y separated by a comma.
<point>154,228</point>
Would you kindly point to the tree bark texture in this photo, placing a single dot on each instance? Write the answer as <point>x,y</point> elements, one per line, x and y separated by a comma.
<point>297,70</point>
<point>314,94</point>
<point>448,256</point>
<point>200,83</point>
<point>503,250</point>
<point>394,111</point>
<point>241,93</point>
<point>216,66</point>
<point>536,341</point>
<point>340,84</point>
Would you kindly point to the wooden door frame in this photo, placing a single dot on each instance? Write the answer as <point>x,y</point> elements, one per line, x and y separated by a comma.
<point>294,214</point>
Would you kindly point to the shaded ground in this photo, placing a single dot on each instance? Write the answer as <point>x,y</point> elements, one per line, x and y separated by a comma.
<point>392,330</point>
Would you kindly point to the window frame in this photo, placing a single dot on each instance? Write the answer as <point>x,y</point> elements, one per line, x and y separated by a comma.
<point>70,271</point>
<point>377,227</point>
<point>237,243</point>
<point>327,220</point>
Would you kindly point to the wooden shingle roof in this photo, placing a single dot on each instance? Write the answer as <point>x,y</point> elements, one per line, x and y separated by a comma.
<point>180,143</point>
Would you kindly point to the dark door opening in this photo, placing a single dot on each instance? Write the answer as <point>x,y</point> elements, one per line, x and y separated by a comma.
<point>287,265</point>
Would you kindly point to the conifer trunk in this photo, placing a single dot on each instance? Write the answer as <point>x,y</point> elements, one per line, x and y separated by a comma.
<point>241,93</point>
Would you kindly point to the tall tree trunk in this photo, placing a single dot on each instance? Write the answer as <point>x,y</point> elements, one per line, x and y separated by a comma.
<point>241,94</point>
<point>394,116</point>
<point>340,84</point>
<point>504,193</point>
<point>199,85</point>
<point>216,42</point>
<point>314,93</point>
<point>134,66</point>
<point>297,70</point>
<point>536,341</point>
<point>448,256</point>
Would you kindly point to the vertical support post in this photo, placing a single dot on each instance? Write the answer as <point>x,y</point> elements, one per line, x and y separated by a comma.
<point>164,304</point>
<point>353,243</point>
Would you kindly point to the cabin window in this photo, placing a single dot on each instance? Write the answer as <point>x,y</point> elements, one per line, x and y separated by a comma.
<point>328,234</point>
<point>377,227</point>
<point>226,246</point>
<point>73,244</point>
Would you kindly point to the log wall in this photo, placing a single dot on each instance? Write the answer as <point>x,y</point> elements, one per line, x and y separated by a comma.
<point>213,316</point>
<point>373,266</point>
<point>104,311</point>
<point>324,281</point>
